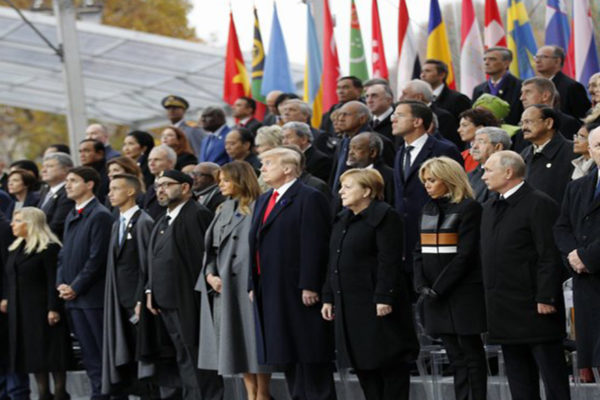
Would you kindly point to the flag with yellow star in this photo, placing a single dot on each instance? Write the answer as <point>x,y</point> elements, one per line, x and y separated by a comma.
<point>236,82</point>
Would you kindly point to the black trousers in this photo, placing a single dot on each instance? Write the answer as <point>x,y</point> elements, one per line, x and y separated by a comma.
<point>468,363</point>
<point>525,362</point>
<point>310,381</point>
<point>386,383</point>
<point>195,383</point>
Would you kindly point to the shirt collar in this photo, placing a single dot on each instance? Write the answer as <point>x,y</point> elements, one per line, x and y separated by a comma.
<point>540,148</point>
<point>172,214</point>
<point>129,214</point>
<point>512,191</point>
<point>54,189</point>
<point>84,204</point>
<point>437,91</point>
<point>418,144</point>
<point>218,131</point>
<point>244,121</point>
<point>284,188</point>
<point>385,114</point>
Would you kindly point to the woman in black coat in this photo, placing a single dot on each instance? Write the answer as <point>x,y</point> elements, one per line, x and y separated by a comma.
<point>38,333</point>
<point>366,293</point>
<point>137,146</point>
<point>448,273</point>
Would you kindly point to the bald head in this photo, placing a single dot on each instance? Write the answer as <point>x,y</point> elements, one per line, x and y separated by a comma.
<point>503,170</point>
<point>417,90</point>
<point>270,99</point>
<point>352,116</point>
<point>97,132</point>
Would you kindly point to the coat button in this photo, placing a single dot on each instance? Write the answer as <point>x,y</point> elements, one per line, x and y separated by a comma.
<point>584,237</point>
<point>338,251</point>
<point>235,238</point>
<point>336,272</point>
<point>233,256</point>
<point>339,292</point>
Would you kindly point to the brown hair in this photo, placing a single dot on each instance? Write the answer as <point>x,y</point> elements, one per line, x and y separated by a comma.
<point>244,180</point>
<point>130,167</point>
<point>184,144</point>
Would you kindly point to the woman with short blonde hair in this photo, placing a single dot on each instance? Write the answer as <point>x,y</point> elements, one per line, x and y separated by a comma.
<point>367,178</point>
<point>38,335</point>
<point>452,174</point>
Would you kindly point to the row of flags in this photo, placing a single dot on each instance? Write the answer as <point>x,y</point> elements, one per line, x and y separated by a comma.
<point>322,69</point>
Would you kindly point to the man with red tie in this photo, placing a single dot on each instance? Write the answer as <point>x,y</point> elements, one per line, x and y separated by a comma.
<point>289,240</point>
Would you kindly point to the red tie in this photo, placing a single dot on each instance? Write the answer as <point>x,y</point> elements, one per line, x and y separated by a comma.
<point>270,205</point>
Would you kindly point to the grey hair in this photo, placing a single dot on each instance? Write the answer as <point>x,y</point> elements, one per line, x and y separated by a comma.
<point>268,136</point>
<point>300,128</point>
<point>375,142</point>
<point>423,88</point>
<point>496,135</point>
<point>63,159</point>
<point>510,160</point>
<point>363,110</point>
<point>171,155</point>
<point>542,85</point>
<point>304,107</point>
<point>380,82</point>
<point>507,54</point>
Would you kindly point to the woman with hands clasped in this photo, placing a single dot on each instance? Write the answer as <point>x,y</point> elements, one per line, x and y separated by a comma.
<point>447,273</point>
<point>38,334</point>
<point>366,294</point>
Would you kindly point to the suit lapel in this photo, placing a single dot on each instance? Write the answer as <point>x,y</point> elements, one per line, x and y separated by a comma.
<point>588,195</point>
<point>421,157</point>
<point>282,203</point>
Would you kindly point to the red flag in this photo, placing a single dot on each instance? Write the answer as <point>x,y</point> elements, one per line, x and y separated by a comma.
<point>380,69</point>
<point>569,67</point>
<point>331,63</point>
<point>493,32</point>
<point>236,82</point>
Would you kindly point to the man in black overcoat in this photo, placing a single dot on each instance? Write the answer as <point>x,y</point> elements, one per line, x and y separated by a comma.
<point>124,291</point>
<point>522,273</point>
<point>380,100</point>
<point>53,198</point>
<point>348,88</point>
<point>549,156</point>
<point>577,234</point>
<point>289,240</point>
<point>435,72</point>
<point>174,256</point>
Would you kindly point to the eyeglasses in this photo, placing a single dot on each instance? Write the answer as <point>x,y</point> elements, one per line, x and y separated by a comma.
<point>528,122</point>
<point>165,185</point>
<point>543,57</point>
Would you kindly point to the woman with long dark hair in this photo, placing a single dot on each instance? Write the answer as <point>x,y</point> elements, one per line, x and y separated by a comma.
<point>137,146</point>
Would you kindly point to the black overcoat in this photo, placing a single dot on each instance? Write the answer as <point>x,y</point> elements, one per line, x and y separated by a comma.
<point>56,209</point>
<point>510,92</point>
<point>35,346</point>
<point>521,267</point>
<point>365,269</point>
<point>447,260</point>
<point>578,227</point>
<point>292,247</point>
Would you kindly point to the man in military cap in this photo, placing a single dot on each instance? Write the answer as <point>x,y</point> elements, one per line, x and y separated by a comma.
<point>176,107</point>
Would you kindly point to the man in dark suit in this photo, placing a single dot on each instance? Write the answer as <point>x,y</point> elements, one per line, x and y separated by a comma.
<point>205,187</point>
<point>435,72</point>
<point>380,101</point>
<point>418,90</point>
<point>574,100</point>
<point>174,254</point>
<point>213,145</point>
<point>348,88</point>
<point>522,273</point>
<point>542,91</point>
<point>239,145</point>
<point>81,268</point>
<point>161,158</point>
<point>91,154</point>
<point>176,108</point>
<point>549,156</point>
<point>488,140</point>
<point>100,133</point>
<point>501,83</point>
<point>299,134</point>
<point>53,198</point>
<point>410,120</point>
<point>272,114</point>
<point>296,110</point>
<point>124,292</point>
<point>577,234</point>
<point>288,241</point>
<point>244,109</point>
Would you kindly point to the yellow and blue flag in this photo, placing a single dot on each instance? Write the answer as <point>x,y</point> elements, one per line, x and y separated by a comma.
<point>438,46</point>
<point>520,40</point>
<point>313,69</point>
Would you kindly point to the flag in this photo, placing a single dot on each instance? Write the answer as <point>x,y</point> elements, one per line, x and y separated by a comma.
<point>358,63</point>
<point>235,83</point>
<point>258,66</point>
<point>493,31</point>
<point>438,46</point>
<point>586,56</point>
<point>331,63</point>
<point>408,66</point>
<point>520,40</point>
<point>558,31</point>
<point>277,68</point>
<point>471,50</point>
<point>380,69</point>
<point>313,69</point>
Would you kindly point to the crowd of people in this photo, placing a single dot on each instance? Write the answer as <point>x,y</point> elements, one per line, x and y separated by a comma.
<point>278,246</point>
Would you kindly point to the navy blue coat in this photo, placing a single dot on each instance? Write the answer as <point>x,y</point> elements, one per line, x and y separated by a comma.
<point>293,248</point>
<point>410,195</point>
<point>213,148</point>
<point>31,200</point>
<point>82,260</point>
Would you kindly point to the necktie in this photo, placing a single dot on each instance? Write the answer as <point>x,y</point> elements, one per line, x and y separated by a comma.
<point>597,192</point>
<point>165,224</point>
<point>122,228</point>
<point>341,166</point>
<point>270,205</point>
<point>407,160</point>
<point>47,198</point>
<point>375,121</point>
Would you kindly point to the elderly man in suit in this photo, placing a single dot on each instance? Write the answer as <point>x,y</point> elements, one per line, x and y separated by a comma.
<point>82,266</point>
<point>488,140</point>
<point>574,100</point>
<point>124,291</point>
<point>100,133</point>
<point>289,243</point>
<point>53,199</point>
<point>577,234</point>
<point>522,274</point>
<point>380,100</point>
<point>205,187</point>
<point>175,252</point>
<point>410,120</point>
<point>300,134</point>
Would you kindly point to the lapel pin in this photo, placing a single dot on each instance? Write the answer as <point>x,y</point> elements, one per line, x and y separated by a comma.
<point>548,165</point>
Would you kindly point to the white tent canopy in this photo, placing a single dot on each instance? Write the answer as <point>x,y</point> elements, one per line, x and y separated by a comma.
<point>125,73</point>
